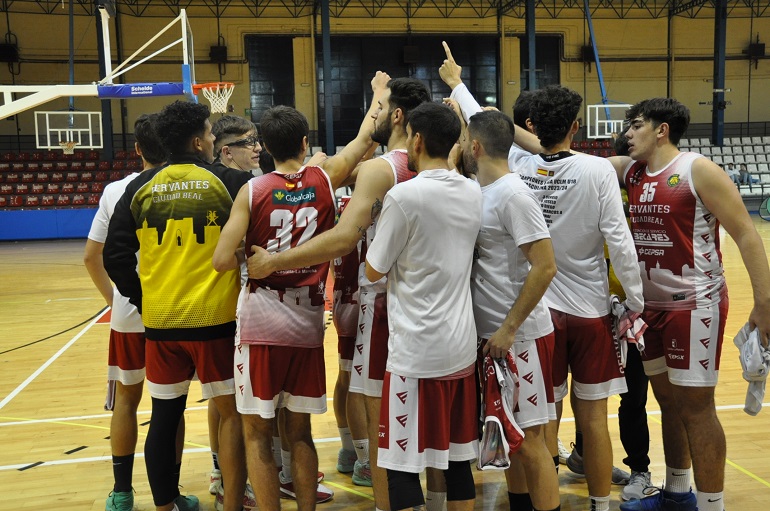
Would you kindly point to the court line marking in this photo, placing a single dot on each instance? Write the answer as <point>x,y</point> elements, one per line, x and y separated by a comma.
<point>50,361</point>
<point>348,489</point>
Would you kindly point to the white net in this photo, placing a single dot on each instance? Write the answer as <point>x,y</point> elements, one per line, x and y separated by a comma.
<point>68,146</point>
<point>218,94</point>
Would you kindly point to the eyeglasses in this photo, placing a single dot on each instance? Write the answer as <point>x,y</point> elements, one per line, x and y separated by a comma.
<point>250,142</point>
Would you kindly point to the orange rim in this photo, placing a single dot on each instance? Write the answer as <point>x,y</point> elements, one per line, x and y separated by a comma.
<point>212,85</point>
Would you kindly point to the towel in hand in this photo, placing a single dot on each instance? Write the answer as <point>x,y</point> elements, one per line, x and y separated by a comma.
<point>755,362</point>
<point>628,327</point>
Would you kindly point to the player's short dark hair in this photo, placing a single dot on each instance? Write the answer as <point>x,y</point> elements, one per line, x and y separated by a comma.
<point>148,140</point>
<point>494,130</point>
<point>521,109</point>
<point>230,125</point>
<point>266,162</point>
<point>179,122</point>
<point>407,94</point>
<point>438,126</point>
<point>553,111</point>
<point>283,129</point>
<point>660,110</point>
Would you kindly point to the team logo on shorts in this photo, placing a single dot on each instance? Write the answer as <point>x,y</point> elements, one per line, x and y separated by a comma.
<point>360,348</point>
<point>673,180</point>
<point>240,368</point>
<point>705,342</point>
<point>533,399</point>
<point>524,355</point>
<point>402,396</point>
<point>706,322</point>
<point>402,443</point>
<point>358,369</point>
<point>705,364</point>
<point>402,419</point>
<point>529,378</point>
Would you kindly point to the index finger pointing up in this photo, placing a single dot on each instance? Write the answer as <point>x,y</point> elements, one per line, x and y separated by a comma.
<point>448,51</point>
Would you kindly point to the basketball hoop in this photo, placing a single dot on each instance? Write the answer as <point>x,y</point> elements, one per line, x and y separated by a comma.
<point>217,93</point>
<point>68,146</point>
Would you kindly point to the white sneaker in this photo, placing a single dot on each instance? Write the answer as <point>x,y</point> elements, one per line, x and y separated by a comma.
<point>215,481</point>
<point>563,453</point>
<point>639,486</point>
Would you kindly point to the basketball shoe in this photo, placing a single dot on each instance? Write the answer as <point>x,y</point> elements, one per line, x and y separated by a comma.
<point>563,453</point>
<point>639,486</point>
<point>120,501</point>
<point>188,503</point>
<point>663,501</point>
<point>575,464</point>
<point>249,499</point>
<point>346,461</point>
<point>215,481</point>
<point>362,474</point>
<point>323,494</point>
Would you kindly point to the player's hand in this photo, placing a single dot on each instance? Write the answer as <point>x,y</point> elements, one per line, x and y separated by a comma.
<point>455,106</point>
<point>317,159</point>
<point>760,318</point>
<point>259,263</point>
<point>449,71</point>
<point>490,109</point>
<point>380,81</point>
<point>498,345</point>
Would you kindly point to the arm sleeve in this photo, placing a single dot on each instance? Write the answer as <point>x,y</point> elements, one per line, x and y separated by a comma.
<point>467,102</point>
<point>612,223</point>
<point>391,236</point>
<point>101,221</point>
<point>523,219</point>
<point>120,249</point>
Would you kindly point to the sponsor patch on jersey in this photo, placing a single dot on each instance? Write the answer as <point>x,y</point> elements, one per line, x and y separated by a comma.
<point>673,180</point>
<point>292,198</point>
<point>544,172</point>
<point>678,297</point>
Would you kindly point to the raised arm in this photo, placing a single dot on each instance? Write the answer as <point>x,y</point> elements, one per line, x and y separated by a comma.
<point>540,255</point>
<point>374,180</point>
<point>721,197</point>
<point>225,255</point>
<point>340,166</point>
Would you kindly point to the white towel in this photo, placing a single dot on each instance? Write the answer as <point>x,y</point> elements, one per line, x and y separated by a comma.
<point>627,326</point>
<point>755,361</point>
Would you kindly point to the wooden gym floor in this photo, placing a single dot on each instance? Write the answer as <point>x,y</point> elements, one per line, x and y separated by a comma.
<point>55,454</point>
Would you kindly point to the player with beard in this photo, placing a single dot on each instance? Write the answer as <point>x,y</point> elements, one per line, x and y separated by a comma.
<point>375,178</point>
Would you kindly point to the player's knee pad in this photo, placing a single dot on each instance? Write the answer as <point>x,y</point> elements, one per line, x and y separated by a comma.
<point>404,490</point>
<point>459,481</point>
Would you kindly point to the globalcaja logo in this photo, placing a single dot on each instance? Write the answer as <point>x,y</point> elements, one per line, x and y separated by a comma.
<point>294,198</point>
<point>673,180</point>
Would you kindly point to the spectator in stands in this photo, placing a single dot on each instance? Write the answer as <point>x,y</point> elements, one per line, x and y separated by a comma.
<point>745,177</point>
<point>733,173</point>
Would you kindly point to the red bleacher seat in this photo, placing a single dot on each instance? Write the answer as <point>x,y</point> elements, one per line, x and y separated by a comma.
<point>57,177</point>
<point>33,166</point>
<point>583,145</point>
<point>37,188</point>
<point>82,188</point>
<point>46,165</point>
<point>86,176</point>
<point>22,188</point>
<point>118,165</point>
<point>23,157</point>
<point>27,177</point>
<point>61,165</point>
<point>116,175</point>
<point>67,188</point>
<point>15,201</point>
<point>104,165</point>
<point>72,176</point>
<point>47,200</point>
<point>52,188</point>
<point>65,157</point>
<point>97,187</point>
<point>6,189</point>
<point>101,176</point>
<point>78,200</point>
<point>93,199</point>
<point>32,201</point>
<point>8,157</point>
<point>17,167</point>
<point>3,201</point>
<point>79,156</point>
<point>76,166</point>
<point>121,155</point>
<point>607,143</point>
<point>5,166</point>
<point>12,177</point>
<point>132,165</point>
<point>92,155</point>
<point>42,177</point>
<point>50,156</point>
<point>133,155</point>
<point>604,153</point>
<point>89,165</point>
<point>63,200</point>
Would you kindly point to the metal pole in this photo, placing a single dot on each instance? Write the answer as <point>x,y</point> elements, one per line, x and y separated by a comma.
<point>72,58</point>
<point>529,29</point>
<point>718,101</point>
<point>327,65</point>
<point>105,66</point>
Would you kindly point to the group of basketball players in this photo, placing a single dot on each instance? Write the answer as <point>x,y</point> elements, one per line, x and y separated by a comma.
<point>436,263</point>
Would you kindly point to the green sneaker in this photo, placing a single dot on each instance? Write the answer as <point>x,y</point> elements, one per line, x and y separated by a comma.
<point>120,501</point>
<point>186,503</point>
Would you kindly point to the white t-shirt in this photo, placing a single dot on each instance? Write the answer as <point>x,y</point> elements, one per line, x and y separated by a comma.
<point>510,217</point>
<point>581,202</point>
<point>425,238</point>
<point>125,317</point>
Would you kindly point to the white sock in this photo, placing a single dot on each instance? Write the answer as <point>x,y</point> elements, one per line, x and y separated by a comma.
<point>362,450</point>
<point>215,460</point>
<point>677,480</point>
<point>434,500</point>
<point>710,501</point>
<point>277,451</point>
<point>286,461</point>
<point>347,439</point>
<point>600,503</point>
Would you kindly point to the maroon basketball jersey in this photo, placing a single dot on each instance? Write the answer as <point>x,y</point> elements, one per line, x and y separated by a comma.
<point>676,237</point>
<point>286,211</point>
<point>345,311</point>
